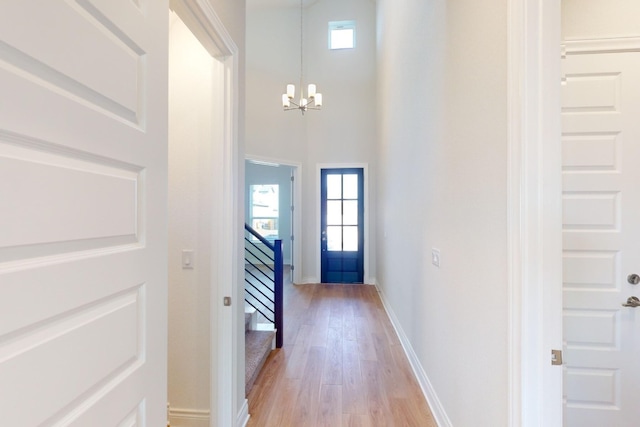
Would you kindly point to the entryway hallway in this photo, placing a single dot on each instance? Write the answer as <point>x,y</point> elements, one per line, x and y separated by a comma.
<point>341,365</point>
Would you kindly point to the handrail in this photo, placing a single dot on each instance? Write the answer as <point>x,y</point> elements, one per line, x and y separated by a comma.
<point>258,236</point>
<point>270,308</point>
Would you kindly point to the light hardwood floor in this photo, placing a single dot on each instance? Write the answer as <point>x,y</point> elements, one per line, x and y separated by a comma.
<point>341,365</point>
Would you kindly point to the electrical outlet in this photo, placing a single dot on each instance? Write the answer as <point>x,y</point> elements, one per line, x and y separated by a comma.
<point>435,257</point>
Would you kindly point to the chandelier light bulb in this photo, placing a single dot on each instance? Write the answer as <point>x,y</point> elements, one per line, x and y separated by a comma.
<point>291,91</point>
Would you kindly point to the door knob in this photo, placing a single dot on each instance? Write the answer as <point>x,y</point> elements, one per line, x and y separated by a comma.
<point>632,302</point>
<point>633,279</point>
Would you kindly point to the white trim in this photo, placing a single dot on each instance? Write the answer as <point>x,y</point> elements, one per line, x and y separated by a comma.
<point>297,211</point>
<point>438,411</point>
<point>367,246</point>
<point>204,23</point>
<point>603,45</point>
<point>534,213</point>
<point>310,279</point>
<point>183,417</point>
<point>243,415</point>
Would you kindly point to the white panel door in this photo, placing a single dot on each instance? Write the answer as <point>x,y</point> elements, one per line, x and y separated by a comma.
<point>601,238</point>
<point>83,153</point>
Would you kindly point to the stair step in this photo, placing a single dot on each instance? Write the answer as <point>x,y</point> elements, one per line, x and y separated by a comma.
<point>247,321</point>
<point>257,348</point>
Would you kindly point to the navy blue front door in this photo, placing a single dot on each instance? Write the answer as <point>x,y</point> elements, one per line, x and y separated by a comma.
<point>342,225</point>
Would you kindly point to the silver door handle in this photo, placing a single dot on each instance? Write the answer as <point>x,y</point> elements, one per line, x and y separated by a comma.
<point>632,302</point>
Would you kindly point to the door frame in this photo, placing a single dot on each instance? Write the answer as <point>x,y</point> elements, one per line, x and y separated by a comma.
<point>297,211</point>
<point>534,213</point>
<point>230,408</point>
<point>367,247</point>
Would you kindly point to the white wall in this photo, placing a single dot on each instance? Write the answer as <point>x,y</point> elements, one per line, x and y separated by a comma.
<point>190,224</point>
<point>442,156</point>
<point>585,19</point>
<point>343,132</point>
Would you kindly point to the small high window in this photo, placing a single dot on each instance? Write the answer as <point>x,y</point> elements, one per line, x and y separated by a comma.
<point>342,35</point>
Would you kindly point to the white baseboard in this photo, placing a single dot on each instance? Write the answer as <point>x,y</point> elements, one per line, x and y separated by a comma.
<point>183,417</point>
<point>243,415</point>
<point>427,389</point>
<point>309,280</point>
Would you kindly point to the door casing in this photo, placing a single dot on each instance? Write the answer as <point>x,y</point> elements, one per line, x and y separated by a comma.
<point>534,213</point>
<point>365,168</point>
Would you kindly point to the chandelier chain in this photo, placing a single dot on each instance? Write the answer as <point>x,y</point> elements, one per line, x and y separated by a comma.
<point>301,48</point>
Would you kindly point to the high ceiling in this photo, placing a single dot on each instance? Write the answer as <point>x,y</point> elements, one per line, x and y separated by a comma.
<point>281,3</point>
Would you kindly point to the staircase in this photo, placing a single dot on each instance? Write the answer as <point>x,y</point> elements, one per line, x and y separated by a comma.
<point>259,341</point>
<point>263,301</point>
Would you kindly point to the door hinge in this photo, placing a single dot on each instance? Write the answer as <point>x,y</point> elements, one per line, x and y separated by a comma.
<point>556,357</point>
<point>226,301</point>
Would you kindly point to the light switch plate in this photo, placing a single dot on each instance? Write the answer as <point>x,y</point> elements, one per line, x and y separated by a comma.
<point>435,257</point>
<point>187,258</point>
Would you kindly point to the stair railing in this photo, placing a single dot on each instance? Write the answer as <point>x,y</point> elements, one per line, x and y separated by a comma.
<point>263,268</point>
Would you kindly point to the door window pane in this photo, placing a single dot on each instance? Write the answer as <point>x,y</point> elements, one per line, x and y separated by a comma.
<point>350,186</point>
<point>350,214</point>
<point>334,186</point>
<point>334,238</point>
<point>350,239</point>
<point>334,212</point>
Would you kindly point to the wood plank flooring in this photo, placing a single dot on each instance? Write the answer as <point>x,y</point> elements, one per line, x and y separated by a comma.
<point>341,365</point>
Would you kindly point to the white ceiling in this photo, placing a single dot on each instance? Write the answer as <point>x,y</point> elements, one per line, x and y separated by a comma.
<point>281,3</point>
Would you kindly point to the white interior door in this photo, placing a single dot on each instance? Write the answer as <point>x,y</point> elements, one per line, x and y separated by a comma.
<point>601,235</point>
<point>83,153</point>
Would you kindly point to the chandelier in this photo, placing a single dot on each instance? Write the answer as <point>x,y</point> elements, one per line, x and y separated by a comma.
<point>313,101</point>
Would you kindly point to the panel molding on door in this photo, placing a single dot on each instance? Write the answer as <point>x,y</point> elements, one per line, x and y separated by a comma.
<point>601,227</point>
<point>83,173</point>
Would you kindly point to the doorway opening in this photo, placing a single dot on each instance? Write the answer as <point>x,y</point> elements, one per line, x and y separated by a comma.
<point>269,204</point>
<point>261,171</point>
<point>204,233</point>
